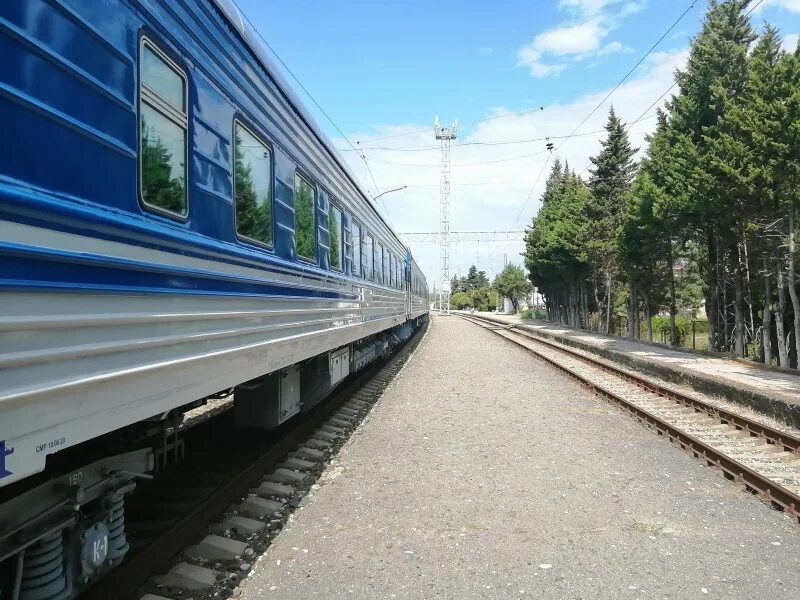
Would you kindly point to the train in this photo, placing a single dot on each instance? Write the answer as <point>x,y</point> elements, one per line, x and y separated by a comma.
<point>174,227</point>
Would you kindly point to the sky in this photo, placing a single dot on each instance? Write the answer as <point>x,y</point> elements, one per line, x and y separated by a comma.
<point>508,71</point>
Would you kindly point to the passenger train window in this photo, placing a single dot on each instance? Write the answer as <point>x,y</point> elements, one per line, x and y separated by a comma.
<point>163,122</point>
<point>304,224</point>
<point>385,270</point>
<point>335,237</point>
<point>369,273</point>
<point>252,186</point>
<point>356,233</point>
<point>379,262</point>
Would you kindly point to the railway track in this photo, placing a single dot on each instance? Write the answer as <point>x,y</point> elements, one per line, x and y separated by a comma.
<point>763,458</point>
<point>212,516</point>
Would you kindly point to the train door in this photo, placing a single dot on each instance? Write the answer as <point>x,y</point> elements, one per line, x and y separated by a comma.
<point>407,284</point>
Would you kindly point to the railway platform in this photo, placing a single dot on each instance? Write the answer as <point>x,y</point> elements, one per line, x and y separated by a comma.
<point>771,391</point>
<point>485,473</point>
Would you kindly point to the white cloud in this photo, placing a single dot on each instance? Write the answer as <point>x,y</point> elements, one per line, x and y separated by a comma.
<point>575,39</point>
<point>790,42</point>
<point>476,206</point>
<point>789,5</point>
<point>571,39</point>
<point>587,7</point>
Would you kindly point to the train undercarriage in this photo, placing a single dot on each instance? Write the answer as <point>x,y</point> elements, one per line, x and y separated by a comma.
<point>63,529</point>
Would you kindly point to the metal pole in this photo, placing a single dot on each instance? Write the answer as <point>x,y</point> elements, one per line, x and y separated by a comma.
<point>445,135</point>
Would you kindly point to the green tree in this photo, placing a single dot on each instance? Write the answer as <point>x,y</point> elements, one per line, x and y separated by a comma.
<point>716,72</point>
<point>159,187</point>
<point>460,300</point>
<point>474,280</point>
<point>334,241</point>
<point>552,188</point>
<point>253,214</point>
<point>742,151</point>
<point>555,250</point>
<point>304,218</point>
<point>609,184</point>
<point>511,283</point>
<point>481,298</point>
<point>787,176</point>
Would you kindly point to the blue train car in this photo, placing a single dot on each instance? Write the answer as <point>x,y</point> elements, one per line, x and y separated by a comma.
<point>172,224</point>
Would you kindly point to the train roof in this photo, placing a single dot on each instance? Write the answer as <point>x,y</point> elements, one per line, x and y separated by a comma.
<point>256,44</point>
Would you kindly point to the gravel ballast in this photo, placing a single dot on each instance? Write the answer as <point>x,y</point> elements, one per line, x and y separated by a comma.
<point>484,473</point>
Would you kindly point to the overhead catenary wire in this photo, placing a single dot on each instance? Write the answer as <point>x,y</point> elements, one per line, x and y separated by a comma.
<point>629,73</point>
<point>605,98</point>
<point>500,143</point>
<point>468,164</point>
<point>310,96</point>
<point>669,89</point>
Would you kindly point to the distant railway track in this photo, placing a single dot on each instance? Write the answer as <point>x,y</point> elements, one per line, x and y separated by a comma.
<point>764,459</point>
<point>186,502</point>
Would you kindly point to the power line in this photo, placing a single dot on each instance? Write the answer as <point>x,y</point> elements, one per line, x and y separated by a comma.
<point>288,70</point>
<point>423,237</point>
<point>674,84</point>
<point>607,96</point>
<point>377,190</point>
<point>755,6</point>
<point>470,164</point>
<point>630,72</point>
<point>530,194</point>
<point>309,94</point>
<point>398,135</point>
<point>504,143</point>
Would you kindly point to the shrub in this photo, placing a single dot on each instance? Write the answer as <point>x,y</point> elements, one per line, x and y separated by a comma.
<point>683,329</point>
<point>460,300</point>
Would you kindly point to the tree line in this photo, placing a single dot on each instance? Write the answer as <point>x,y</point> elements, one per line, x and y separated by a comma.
<point>475,291</point>
<point>706,219</point>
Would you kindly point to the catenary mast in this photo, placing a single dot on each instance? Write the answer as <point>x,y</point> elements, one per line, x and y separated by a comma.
<point>445,135</point>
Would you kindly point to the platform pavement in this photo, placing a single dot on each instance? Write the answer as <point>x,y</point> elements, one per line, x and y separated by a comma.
<point>775,392</point>
<point>484,473</point>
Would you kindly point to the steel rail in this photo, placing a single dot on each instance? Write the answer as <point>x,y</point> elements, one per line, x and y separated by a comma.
<point>124,583</point>
<point>789,442</point>
<point>767,489</point>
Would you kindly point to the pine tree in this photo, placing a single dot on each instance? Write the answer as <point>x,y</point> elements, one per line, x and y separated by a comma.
<point>555,253</point>
<point>716,71</point>
<point>610,184</point>
<point>787,173</point>
<point>741,154</point>
<point>554,181</point>
<point>159,187</point>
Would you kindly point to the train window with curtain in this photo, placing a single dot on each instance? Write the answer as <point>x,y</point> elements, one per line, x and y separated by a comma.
<point>335,238</point>
<point>369,244</point>
<point>304,222</point>
<point>356,233</point>
<point>252,186</point>
<point>163,123</point>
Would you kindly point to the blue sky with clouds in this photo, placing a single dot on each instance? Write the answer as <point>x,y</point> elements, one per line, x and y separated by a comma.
<point>386,68</point>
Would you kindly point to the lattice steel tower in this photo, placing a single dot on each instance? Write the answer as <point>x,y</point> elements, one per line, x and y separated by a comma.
<point>445,135</point>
